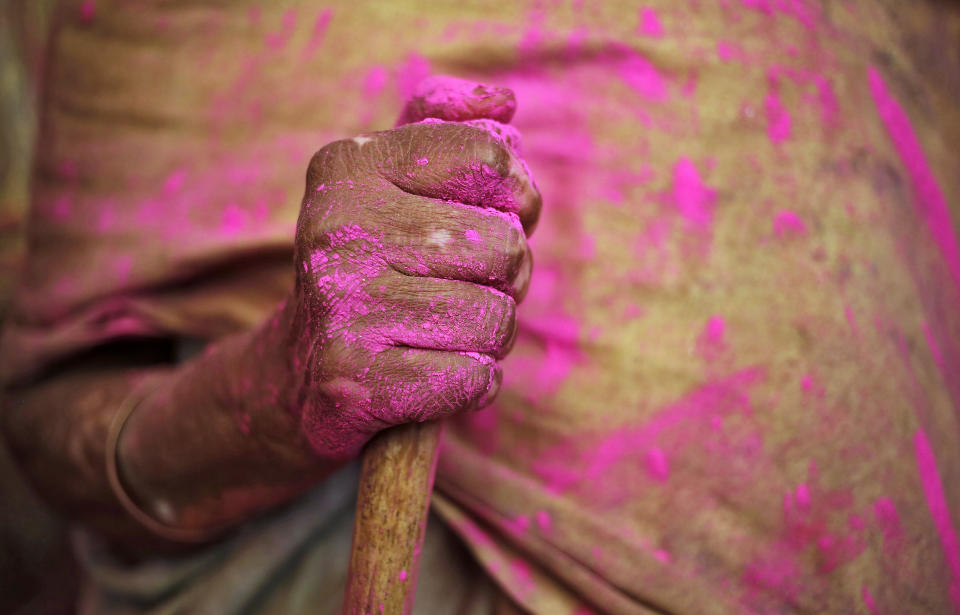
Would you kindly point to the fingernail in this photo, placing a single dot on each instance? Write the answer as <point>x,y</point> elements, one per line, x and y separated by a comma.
<point>496,379</point>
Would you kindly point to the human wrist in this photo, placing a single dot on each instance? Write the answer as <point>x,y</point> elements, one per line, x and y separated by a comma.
<point>216,441</point>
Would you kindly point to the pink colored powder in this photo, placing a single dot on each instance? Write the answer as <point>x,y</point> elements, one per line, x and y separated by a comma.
<point>657,465</point>
<point>414,70</point>
<point>886,516</point>
<point>694,200</point>
<point>778,119</point>
<point>544,522</point>
<point>374,82</point>
<point>319,31</point>
<point>87,11</point>
<point>711,343</point>
<point>725,51</point>
<point>929,197</point>
<point>637,72</point>
<point>868,600</point>
<point>650,23</point>
<point>787,223</point>
<point>937,503</point>
<point>279,39</point>
<point>934,347</point>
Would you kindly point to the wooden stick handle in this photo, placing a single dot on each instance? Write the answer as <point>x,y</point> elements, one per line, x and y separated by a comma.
<point>392,504</point>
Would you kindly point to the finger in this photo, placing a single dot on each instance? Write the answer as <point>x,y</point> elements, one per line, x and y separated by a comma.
<point>423,385</point>
<point>435,239</point>
<point>441,315</point>
<point>458,162</point>
<point>457,100</point>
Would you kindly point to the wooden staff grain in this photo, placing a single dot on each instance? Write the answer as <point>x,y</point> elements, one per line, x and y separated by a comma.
<point>396,481</point>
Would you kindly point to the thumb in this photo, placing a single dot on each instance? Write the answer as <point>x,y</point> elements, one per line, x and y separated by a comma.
<point>458,100</point>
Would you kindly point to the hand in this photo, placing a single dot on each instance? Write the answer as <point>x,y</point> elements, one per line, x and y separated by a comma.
<point>411,255</point>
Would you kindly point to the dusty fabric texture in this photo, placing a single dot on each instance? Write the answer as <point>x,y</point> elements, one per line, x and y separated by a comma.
<point>736,384</point>
<point>290,562</point>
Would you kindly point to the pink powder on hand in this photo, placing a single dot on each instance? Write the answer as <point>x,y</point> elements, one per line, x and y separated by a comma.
<point>456,99</point>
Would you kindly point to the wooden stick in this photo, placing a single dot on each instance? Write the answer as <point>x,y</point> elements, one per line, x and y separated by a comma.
<point>392,504</point>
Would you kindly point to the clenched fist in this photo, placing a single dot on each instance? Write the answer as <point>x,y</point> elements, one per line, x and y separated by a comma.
<point>411,256</point>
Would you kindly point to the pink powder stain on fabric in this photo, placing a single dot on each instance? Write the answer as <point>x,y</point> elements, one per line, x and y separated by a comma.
<point>518,525</point>
<point>641,75</point>
<point>320,26</point>
<point>930,200</point>
<point>415,69</point>
<point>888,519</point>
<point>657,465</point>
<point>787,223</point>
<point>662,556</point>
<point>851,320</point>
<point>868,600</point>
<point>650,23</point>
<point>933,346</point>
<point>234,220</point>
<point>175,181</point>
<point>62,207</point>
<point>559,337</point>
<point>402,576</point>
<point>725,51</point>
<point>829,107</point>
<point>775,572</point>
<point>939,511</point>
<point>279,39</point>
<point>422,162</point>
<point>693,199</point>
<point>87,11</point>
<point>523,577</point>
<point>374,82</point>
<point>805,12</point>
<point>575,465</point>
<point>544,521</point>
<point>778,119</point>
<point>472,235</point>
<point>712,343</point>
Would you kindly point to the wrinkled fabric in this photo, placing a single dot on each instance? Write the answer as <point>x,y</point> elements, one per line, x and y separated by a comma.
<point>736,383</point>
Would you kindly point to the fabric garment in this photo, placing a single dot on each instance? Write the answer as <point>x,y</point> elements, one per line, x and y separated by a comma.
<point>735,387</point>
<point>289,562</point>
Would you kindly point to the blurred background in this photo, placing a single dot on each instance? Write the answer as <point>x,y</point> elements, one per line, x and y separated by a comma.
<point>37,574</point>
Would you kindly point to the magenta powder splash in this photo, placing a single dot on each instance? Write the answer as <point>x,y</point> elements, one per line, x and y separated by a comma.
<point>778,120</point>
<point>650,23</point>
<point>929,196</point>
<point>693,199</point>
<point>937,503</point>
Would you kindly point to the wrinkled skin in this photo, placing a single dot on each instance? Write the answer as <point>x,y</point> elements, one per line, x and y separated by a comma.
<point>411,257</point>
<point>410,254</point>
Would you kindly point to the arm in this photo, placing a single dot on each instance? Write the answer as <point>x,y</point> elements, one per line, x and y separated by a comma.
<point>208,443</point>
<point>404,300</point>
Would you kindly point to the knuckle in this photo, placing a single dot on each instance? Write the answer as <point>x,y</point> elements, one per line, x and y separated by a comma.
<point>514,251</point>
<point>490,153</point>
<point>503,311</point>
<point>324,161</point>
